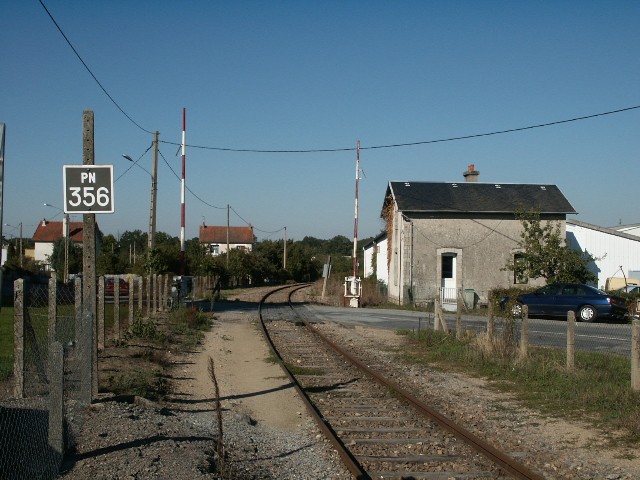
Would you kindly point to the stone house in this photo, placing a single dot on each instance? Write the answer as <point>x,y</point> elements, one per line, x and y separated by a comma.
<point>452,239</point>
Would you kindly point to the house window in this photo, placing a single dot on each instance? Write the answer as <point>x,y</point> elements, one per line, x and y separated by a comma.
<point>214,249</point>
<point>518,271</point>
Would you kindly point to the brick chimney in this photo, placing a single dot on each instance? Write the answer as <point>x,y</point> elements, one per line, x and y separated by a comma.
<point>471,175</point>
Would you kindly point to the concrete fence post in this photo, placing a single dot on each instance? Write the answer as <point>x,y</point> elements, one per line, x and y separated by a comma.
<point>78,309</point>
<point>148,293</point>
<point>163,291</point>
<point>18,338</point>
<point>635,355</point>
<point>154,301</point>
<point>524,334</point>
<point>491,325</point>
<point>436,308</point>
<point>116,306</point>
<point>131,292</point>
<point>140,288</point>
<point>53,307</point>
<point>571,340</point>
<point>100,315</point>
<point>459,318</point>
<point>56,399</point>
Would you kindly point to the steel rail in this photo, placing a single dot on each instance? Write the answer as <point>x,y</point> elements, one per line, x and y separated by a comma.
<point>350,462</point>
<point>502,459</point>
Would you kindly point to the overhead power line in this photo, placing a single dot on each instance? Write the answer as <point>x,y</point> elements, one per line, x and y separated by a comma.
<point>330,150</point>
<point>411,144</point>
<point>90,72</point>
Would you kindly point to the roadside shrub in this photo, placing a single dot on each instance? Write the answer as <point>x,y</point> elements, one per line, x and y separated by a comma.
<point>190,318</point>
<point>144,329</point>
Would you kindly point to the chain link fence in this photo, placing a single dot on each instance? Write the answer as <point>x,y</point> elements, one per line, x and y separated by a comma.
<point>33,431</point>
<point>55,349</point>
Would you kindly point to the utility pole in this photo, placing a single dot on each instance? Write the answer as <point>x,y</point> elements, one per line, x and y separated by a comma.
<point>154,194</point>
<point>227,235</point>
<point>20,244</point>
<point>284,265</point>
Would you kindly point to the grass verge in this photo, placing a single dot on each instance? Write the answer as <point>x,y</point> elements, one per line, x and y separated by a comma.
<point>597,390</point>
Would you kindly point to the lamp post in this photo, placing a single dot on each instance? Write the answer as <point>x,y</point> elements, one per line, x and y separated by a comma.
<point>65,234</point>
<point>20,247</point>
<point>154,192</point>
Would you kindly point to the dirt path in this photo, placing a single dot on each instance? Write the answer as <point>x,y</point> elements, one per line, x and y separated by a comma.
<point>246,379</point>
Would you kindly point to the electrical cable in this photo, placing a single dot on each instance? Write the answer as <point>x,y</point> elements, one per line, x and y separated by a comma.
<point>332,150</point>
<point>211,205</point>
<point>411,144</point>
<point>135,163</point>
<point>186,187</point>
<point>90,72</point>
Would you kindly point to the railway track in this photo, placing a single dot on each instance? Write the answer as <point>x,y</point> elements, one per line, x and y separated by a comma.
<point>379,429</point>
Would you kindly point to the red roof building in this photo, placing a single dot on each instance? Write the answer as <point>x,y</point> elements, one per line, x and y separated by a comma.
<point>216,238</point>
<point>48,232</point>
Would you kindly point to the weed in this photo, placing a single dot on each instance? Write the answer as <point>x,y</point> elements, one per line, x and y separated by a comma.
<point>298,370</point>
<point>144,329</point>
<point>148,384</point>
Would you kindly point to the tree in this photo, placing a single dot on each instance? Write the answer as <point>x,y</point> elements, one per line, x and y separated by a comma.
<point>57,257</point>
<point>546,255</point>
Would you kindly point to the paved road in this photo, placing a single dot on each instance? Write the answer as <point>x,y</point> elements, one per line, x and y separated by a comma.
<point>597,337</point>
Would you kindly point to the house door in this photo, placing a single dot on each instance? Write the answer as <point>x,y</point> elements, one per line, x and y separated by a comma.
<point>448,280</point>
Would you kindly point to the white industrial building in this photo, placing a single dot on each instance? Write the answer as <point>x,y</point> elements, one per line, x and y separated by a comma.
<point>633,229</point>
<point>617,253</point>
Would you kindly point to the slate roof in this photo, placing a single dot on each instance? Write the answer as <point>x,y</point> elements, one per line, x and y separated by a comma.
<point>48,231</point>
<point>213,234</point>
<point>475,197</point>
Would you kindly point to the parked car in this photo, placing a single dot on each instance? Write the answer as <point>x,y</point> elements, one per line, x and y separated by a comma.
<point>108,287</point>
<point>557,299</point>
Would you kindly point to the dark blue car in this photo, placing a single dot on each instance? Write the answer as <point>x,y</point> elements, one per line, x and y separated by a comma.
<point>557,299</point>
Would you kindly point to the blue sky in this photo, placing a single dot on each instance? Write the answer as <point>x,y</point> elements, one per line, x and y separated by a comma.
<point>288,75</point>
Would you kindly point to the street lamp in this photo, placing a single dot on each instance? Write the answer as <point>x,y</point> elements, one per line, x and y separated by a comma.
<point>65,233</point>
<point>154,192</point>
<point>20,227</point>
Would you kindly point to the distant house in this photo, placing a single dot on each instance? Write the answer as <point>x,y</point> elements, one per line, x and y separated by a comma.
<point>452,239</point>
<point>5,251</point>
<point>48,232</point>
<point>217,238</point>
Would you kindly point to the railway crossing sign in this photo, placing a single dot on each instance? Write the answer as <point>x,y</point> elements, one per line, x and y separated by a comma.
<point>88,188</point>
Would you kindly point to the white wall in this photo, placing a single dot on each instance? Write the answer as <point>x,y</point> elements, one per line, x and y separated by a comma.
<point>611,249</point>
<point>43,251</point>
<point>630,229</point>
<point>380,251</point>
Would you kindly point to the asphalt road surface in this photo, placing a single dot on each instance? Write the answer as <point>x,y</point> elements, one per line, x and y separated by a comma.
<point>597,337</point>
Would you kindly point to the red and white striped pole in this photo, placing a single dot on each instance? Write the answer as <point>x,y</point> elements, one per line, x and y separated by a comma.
<point>182,191</point>
<point>355,223</point>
